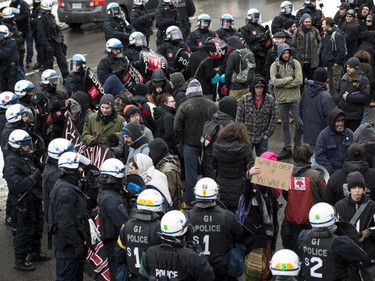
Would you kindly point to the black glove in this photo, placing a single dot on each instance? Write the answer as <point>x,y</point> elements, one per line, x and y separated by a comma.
<point>266,28</point>
<point>120,72</point>
<point>93,142</point>
<point>35,176</point>
<point>113,140</point>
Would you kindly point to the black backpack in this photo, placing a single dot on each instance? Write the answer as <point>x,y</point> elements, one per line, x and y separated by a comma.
<point>210,130</point>
<point>247,67</point>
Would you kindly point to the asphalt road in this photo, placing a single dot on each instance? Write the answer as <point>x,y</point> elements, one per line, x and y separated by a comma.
<point>89,40</point>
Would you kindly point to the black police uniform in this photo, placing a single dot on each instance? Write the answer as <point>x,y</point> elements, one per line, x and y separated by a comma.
<point>50,176</point>
<point>165,16</point>
<point>278,22</point>
<point>110,65</point>
<point>17,35</point>
<point>27,217</point>
<point>132,53</point>
<point>117,28</point>
<point>326,256</point>
<point>174,261</point>
<point>169,49</point>
<point>198,37</point>
<point>113,213</point>
<point>138,234</point>
<point>68,215</point>
<point>185,9</point>
<point>215,230</point>
<point>34,14</point>
<point>142,21</point>
<point>256,37</point>
<point>8,64</point>
<point>51,38</point>
<point>74,82</point>
<point>224,33</point>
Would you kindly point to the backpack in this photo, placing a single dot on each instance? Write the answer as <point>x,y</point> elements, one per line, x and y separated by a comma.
<point>210,130</point>
<point>247,67</point>
<point>334,46</point>
<point>242,211</point>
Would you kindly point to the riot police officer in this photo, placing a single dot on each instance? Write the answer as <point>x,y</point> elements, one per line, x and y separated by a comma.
<point>216,230</point>
<point>52,101</point>
<point>24,183</point>
<point>166,15</point>
<point>257,38</point>
<point>7,99</point>
<point>226,30</point>
<point>185,9</point>
<point>173,259</point>
<point>67,218</point>
<point>137,43</point>
<point>75,81</point>
<point>116,26</point>
<point>198,37</point>
<point>49,36</point>
<point>113,210</point>
<point>171,46</point>
<point>34,14</point>
<point>114,63</point>
<point>325,254</point>
<point>285,266</point>
<point>140,232</point>
<point>141,20</point>
<point>25,91</point>
<point>286,9</point>
<point>8,61</point>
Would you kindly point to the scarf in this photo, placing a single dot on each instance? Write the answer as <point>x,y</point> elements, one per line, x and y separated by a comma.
<point>352,76</point>
<point>258,102</point>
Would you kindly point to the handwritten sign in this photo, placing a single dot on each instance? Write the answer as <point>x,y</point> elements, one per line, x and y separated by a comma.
<point>273,173</point>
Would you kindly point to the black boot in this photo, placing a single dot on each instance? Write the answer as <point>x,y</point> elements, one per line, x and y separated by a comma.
<point>285,153</point>
<point>39,257</point>
<point>24,265</point>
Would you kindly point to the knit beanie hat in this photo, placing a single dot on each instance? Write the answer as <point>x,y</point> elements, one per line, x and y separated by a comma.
<point>194,87</point>
<point>355,179</point>
<point>107,99</point>
<point>129,110</point>
<point>353,62</point>
<point>304,16</point>
<point>320,75</point>
<point>356,152</point>
<point>140,89</point>
<point>269,155</point>
<point>158,150</point>
<point>133,130</point>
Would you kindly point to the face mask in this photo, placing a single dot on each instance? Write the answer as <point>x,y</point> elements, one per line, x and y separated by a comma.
<point>75,108</point>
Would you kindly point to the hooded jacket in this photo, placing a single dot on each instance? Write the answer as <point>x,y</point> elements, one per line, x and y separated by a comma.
<point>259,123</point>
<point>331,146</point>
<point>286,77</point>
<point>314,107</point>
<point>159,75</point>
<point>365,135</point>
<point>164,118</point>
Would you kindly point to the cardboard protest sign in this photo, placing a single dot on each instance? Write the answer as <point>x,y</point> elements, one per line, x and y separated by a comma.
<point>273,173</point>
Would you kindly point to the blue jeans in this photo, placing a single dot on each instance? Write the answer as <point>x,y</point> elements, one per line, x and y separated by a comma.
<point>260,147</point>
<point>29,47</point>
<point>284,109</point>
<point>191,160</point>
<point>365,115</point>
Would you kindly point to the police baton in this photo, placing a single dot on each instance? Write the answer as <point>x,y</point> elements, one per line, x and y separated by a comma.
<point>28,190</point>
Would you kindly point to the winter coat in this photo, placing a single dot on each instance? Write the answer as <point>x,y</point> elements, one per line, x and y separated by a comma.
<point>331,147</point>
<point>315,14</point>
<point>190,118</point>
<point>259,123</point>
<point>96,128</point>
<point>331,53</point>
<point>350,32</point>
<point>314,108</point>
<point>359,95</point>
<point>308,44</point>
<point>230,157</point>
<point>287,87</point>
<point>335,187</point>
<point>278,22</point>
<point>365,135</point>
<point>346,208</point>
<point>164,118</point>
<point>205,71</point>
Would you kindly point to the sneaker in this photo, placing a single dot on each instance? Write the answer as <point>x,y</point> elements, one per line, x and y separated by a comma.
<point>39,257</point>
<point>285,153</point>
<point>8,221</point>
<point>36,66</point>
<point>24,265</point>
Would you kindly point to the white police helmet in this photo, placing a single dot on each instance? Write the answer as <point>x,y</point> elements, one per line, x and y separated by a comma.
<point>174,224</point>
<point>77,63</point>
<point>113,167</point>
<point>151,200</point>
<point>47,5</point>
<point>72,160</point>
<point>49,76</point>
<point>173,33</point>
<point>113,43</point>
<point>285,262</point>
<point>7,13</point>
<point>253,15</point>
<point>138,39</point>
<point>286,7</point>
<point>19,137</point>
<point>22,87</point>
<point>140,2</point>
<point>58,146</point>
<point>204,18</point>
<point>14,113</point>
<point>322,215</point>
<point>206,189</point>
<point>7,99</point>
<point>4,31</point>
